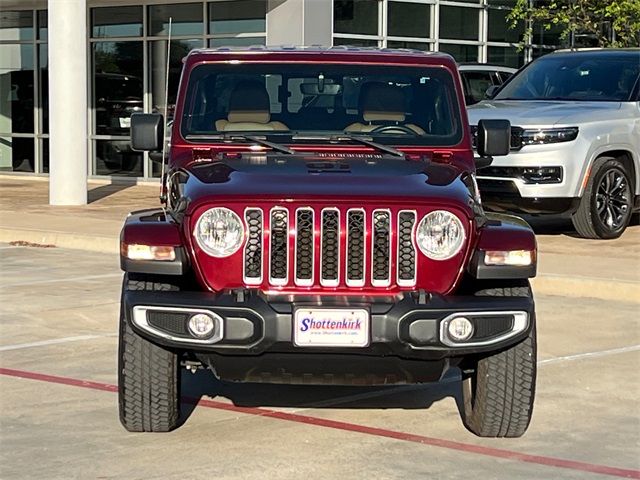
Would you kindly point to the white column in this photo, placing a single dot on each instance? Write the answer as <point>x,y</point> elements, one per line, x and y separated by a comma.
<point>68,126</point>
<point>299,22</point>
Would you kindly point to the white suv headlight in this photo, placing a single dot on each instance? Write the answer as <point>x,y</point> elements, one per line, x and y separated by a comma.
<point>219,232</point>
<point>440,235</point>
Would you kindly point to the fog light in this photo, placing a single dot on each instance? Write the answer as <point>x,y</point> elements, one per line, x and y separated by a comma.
<point>201,325</point>
<point>460,329</point>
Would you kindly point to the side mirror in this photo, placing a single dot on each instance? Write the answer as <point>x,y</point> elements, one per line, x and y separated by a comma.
<point>494,138</point>
<point>146,132</point>
<point>491,91</point>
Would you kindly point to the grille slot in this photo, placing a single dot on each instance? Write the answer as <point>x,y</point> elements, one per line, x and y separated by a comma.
<point>406,248</point>
<point>254,247</point>
<point>355,247</point>
<point>381,249</point>
<point>304,246</point>
<point>330,247</point>
<point>279,257</point>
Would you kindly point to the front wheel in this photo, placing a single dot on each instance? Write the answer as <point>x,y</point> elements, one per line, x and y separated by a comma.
<point>148,375</point>
<point>605,207</point>
<point>498,390</point>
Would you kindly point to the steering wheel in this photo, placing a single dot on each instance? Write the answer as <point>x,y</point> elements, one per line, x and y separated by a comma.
<point>392,128</point>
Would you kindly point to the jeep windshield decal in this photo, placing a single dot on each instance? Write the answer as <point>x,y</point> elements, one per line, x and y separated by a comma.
<point>388,105</point>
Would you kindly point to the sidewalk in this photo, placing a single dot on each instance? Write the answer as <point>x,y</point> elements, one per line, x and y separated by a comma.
<point>568,266</point>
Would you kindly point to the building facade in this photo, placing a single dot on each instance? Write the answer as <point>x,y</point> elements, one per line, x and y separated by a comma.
<point>113,52</point>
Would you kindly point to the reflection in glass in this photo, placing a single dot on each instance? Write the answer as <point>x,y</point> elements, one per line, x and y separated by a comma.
<point>45,154</point>
<point>459,23</point>
<point>117,85</point>
<point>158,55</point>
<point>509,57</point>
<point>186,19</point>
<point>43,62</point>
<point>240,16</point>
<point>355,42</point>
<point>116,22</point>
<point>462,53</point>
<point>499,29</point>
<point>355,16</point>
<point>16,25</point>
<point>413,45</point>
<point>43,22</point>
<point>16,154</point>
<point>236,41</point>
<point>115,157</point>
<point>16,88</point>
<point>408,19</point>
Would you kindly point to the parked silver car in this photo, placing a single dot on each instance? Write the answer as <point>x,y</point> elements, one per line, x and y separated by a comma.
<point>575,143</point>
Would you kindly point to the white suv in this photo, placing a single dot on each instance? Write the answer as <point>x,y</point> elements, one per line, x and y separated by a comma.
<point>575,142</point>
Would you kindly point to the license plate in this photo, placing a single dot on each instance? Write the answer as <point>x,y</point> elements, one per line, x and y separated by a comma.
<point>331,327</point>
<point>125,122</point>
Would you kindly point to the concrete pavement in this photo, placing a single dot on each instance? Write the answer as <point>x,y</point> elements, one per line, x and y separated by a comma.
<point>573,267</point>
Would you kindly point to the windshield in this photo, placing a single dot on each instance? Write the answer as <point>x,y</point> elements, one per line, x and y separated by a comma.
<point>393,105</point>
<point>595,77</point>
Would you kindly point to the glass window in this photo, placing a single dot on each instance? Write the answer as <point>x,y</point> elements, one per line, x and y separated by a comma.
<point>117,22</point>
<point>16,25</point>
<point>408,19</point>
<point>117,85</point>
<point>240,16</point>
<point>355,42</point>
<point>16,154</point>
<point>43,61</point>
<point>16,88</point>
<point>45,154</point>
<point>43,24</point>
<point>414,45</point>
<point>509,57</point>
<point>459,23</point>
<point>324,100</point>
<point>476,84</point>
<point>462,53</point>
<point>355,16</point>
<point>546,34</point>
<point>500,30</point>
<point>115,157</point>
<point>236,41</point>
<point>186,19</point>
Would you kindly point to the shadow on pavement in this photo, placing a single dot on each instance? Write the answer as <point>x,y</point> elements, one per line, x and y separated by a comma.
<point>203,384</point>
<point>104,191</point>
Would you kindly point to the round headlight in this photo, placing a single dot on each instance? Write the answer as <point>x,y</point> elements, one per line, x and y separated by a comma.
<point>219,232</point>
<point>440,235</point>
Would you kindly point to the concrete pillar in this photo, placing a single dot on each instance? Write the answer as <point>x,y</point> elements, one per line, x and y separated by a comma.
<point>68,125</point>
<point>299,22</point>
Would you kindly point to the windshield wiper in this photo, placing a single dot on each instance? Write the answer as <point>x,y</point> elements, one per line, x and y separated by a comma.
<point>230,137</point>
<point>364,140</point>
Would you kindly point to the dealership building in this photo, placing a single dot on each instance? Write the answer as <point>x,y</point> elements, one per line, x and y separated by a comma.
<point>71,71</point>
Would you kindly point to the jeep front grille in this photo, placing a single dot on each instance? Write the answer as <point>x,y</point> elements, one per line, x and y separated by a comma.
<point>330,247</point>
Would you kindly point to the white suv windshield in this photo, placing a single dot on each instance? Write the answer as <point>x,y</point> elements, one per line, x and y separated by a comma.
<point>393,105</point>
<point>597,76</point>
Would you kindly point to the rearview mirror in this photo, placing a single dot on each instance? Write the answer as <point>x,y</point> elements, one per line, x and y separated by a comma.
<point>494,138</point>
<point>146,132</point>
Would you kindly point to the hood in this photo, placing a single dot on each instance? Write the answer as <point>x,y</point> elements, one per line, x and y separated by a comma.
<point>540,112</point>
<point>287,178</point>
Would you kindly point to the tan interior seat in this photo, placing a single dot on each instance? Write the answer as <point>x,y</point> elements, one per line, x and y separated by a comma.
<point>249,110</point>
<point>381,104</point>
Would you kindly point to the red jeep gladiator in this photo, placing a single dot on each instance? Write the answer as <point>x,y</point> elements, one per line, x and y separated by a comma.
<point>322,225</point>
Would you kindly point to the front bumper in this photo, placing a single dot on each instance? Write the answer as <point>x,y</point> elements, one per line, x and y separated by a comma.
<point>408,326</point>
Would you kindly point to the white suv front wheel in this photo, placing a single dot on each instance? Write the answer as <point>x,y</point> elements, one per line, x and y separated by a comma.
<point>605,207</point>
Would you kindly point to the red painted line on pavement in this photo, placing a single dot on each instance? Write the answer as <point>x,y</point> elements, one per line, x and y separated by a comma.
<point>351,427</point>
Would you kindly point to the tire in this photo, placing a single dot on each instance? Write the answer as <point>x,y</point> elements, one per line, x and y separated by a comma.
<point>498,390</point>
<point>148,375</point>
<point>604,215</point>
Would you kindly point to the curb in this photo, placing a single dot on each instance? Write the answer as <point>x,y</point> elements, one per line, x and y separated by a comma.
<point>545,284</point>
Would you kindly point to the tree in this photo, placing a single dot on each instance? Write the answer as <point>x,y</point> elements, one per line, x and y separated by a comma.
<point>607,23</point>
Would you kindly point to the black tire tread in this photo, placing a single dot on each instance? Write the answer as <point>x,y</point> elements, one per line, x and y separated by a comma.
<point>149,390</point>
<point>504,384</point>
